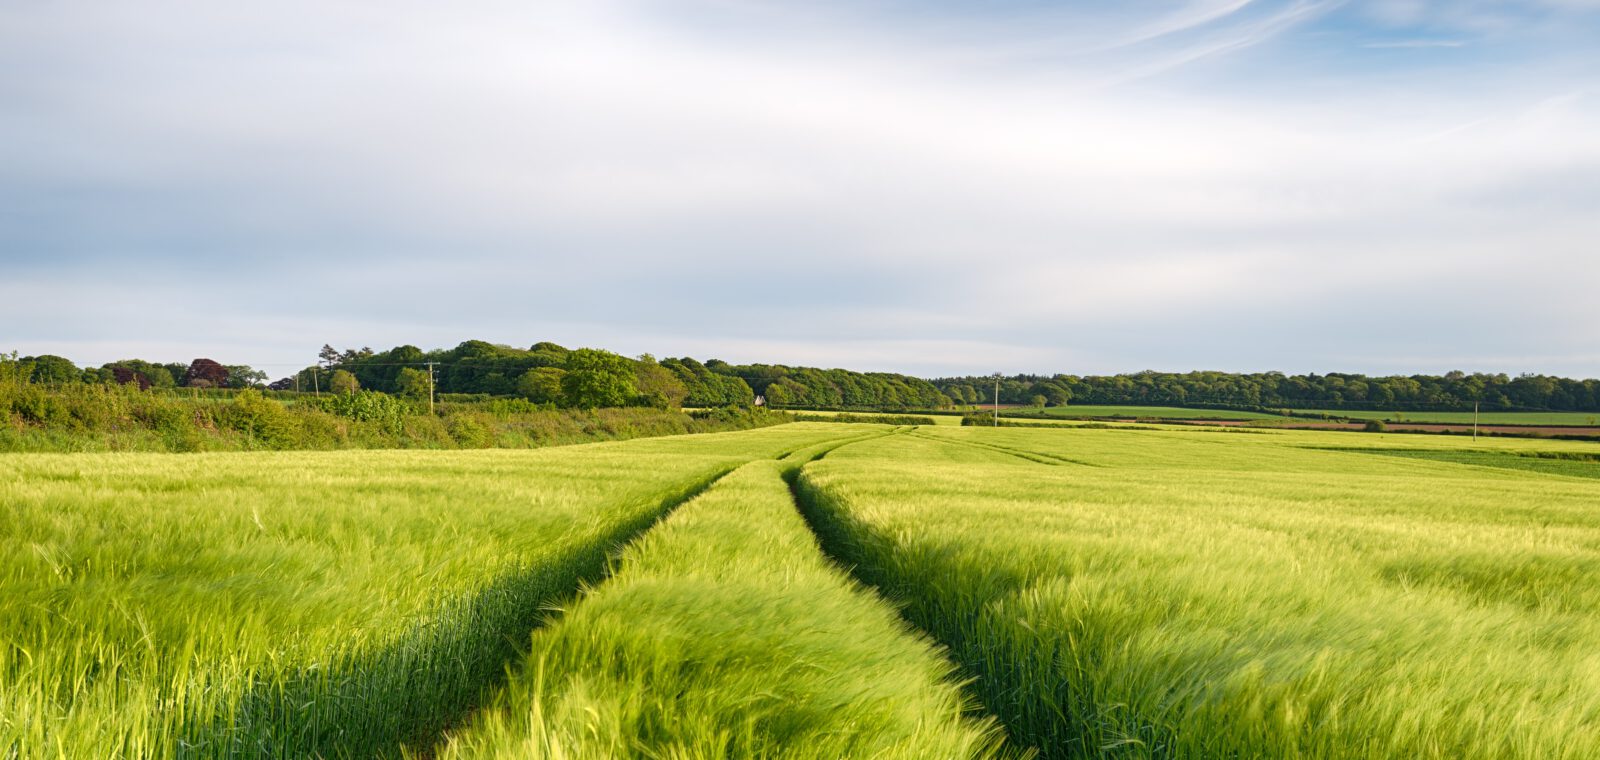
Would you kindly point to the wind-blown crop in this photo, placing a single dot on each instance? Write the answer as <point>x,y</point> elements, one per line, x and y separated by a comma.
<point>727,634</point>
<point>1109,592</point>
<point>1192,595</point>
<point>299,604</point>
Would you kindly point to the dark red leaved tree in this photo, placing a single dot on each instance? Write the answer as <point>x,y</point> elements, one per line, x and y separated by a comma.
<point>205,373</point>
<point>124,376</point>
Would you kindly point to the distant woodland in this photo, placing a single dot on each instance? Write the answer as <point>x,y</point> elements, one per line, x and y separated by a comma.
<point>544,373</point>
<point>1454,391</point>
<point>556,377</point>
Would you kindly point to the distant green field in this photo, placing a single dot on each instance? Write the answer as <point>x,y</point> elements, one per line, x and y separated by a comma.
<point>1486,418</point>
<point>1165,412</point>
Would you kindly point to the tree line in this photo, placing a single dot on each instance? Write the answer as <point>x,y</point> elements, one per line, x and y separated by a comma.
<point>552,374</point>
<point>786,386</point>
<point>555,376</point>
<point>48,369</point>
<point>544,373</point>
<point>1452,391</point>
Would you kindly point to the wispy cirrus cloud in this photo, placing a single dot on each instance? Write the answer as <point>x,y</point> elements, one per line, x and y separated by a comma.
<point>1232,39</point>
<point>1386,44</point>
<point>1190,16</point>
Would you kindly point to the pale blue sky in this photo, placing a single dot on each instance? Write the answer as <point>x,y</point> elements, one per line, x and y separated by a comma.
<point>938,188</point>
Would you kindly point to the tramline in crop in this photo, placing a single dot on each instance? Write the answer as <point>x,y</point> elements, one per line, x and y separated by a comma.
<point>302,603</point>
<point>726,633</point>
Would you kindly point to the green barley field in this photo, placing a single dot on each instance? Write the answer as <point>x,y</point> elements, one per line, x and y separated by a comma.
<point>1576,419</point>
<point>812,590</point>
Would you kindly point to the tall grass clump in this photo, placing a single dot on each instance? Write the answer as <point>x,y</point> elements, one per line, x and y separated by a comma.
<point>1234,596</point>
<point>726,633</point>
<point>344,604</point>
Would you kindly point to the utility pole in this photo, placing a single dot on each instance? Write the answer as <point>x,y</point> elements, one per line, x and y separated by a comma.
<point>316,386</point>
<point>1475,421</point>
<point>997,399</point>
<point>430,388</point>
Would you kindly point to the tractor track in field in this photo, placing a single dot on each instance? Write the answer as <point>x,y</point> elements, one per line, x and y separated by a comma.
<point>838,541</point>
<point>849,544</point>
<point>484,649</point>
<point>1031,456</point>
<point>425,747</point>
<point>480,665</point>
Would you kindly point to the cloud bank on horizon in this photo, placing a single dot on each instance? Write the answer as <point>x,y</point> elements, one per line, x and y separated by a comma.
<point>938,188</point>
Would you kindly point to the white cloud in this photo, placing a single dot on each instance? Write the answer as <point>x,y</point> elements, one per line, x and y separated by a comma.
<point>601,173</point>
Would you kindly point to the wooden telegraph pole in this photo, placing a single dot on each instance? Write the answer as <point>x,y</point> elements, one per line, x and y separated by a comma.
<point>997,399</point>
<point>430,388</point>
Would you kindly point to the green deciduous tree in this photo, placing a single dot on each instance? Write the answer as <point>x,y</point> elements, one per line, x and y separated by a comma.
<point>657,385</point>
<point>343,382</point>
<point>412,383</point>
<point>53,370</point>
<point>241,376</point>
<point>1055,394</point>
<point>541,385</point>
<point>778,396</point>
<point>597,378</point>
